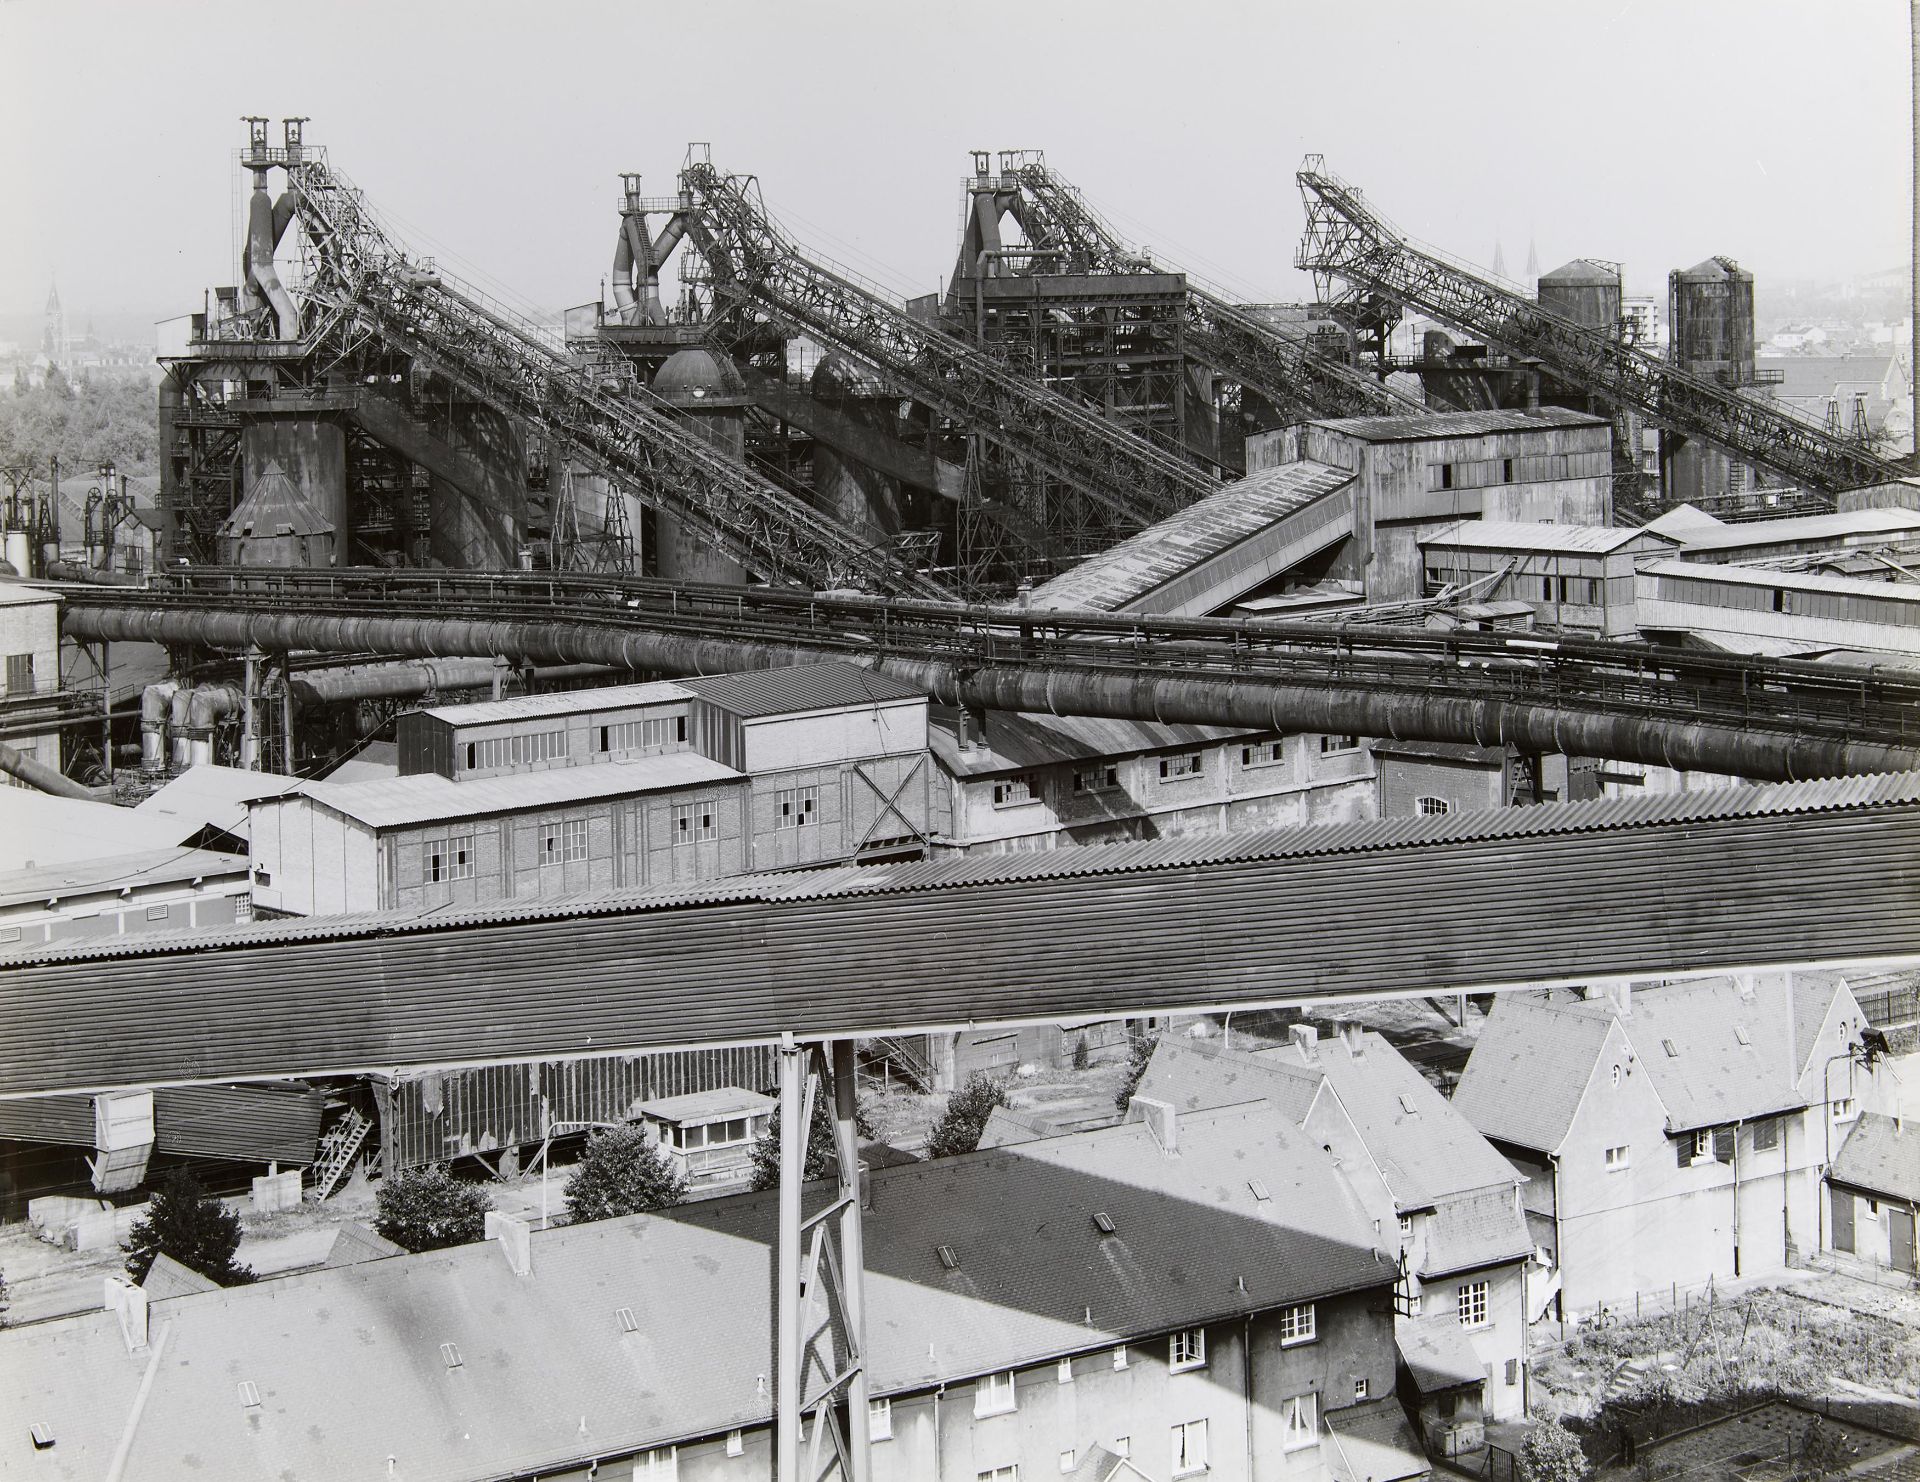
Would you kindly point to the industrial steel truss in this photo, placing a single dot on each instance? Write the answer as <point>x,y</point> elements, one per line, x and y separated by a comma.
<point>365,286</point>
<point>1220,334</point>
<point>1347,239</point>
<point>755,265</point>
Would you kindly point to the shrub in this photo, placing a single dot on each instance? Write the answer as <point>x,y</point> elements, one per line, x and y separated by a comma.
<point>622,1172</point>
<point>960,1126</point>
<point>429,1209</point>
<point>196,1230</point>
<point>1082,1056</point>
<point>1549,1452</point>
<point>1137,1059</point>
<point>1821,1451</point>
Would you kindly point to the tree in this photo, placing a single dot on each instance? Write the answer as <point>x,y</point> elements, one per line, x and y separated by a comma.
<point>1549,1452</point>
<point>621,1172</point>
<point>1820,1452</point>
<point>195,1229</point>
<point>429,1209</point>
<point>820,1158</point>
<point>1137,1059</point>
<point>959,1128</point>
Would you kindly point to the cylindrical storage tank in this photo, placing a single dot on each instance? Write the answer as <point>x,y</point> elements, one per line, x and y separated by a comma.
<point>708,388</point>
<point>1710,316</point>
<point>19,552</point>
<point>1584,291</point>
<point>848,490</point>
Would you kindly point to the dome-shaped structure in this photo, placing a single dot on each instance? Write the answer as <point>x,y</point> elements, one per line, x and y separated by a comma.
<point>1714,270</point>
<point>1581,273</point>
<point>699,378</point>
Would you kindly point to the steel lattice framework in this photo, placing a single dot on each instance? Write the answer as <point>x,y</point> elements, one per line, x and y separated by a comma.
<point>754,264</point>
<point>1346,238</point>
<point>1220,334</point>
<point>365,287</point>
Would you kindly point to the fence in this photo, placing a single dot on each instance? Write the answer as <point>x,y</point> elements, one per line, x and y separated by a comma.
<point>1891,1007</point>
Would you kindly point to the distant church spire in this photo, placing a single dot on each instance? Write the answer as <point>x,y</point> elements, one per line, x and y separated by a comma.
<point>53,338</point>
<point>1499,260</point>
<point>1533,261</point>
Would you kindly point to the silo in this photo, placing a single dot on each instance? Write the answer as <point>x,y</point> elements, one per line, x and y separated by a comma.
<point>708,388</point>
<point>1710,329</point>
<point>850,491</point>
<point>1584,291</point>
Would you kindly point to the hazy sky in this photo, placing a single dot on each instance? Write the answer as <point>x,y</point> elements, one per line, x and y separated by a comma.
<point>1652,133</point>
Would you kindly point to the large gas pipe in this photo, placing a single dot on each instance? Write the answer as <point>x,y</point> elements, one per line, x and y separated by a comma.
<point>1328,707</point>
<point>37,774</point>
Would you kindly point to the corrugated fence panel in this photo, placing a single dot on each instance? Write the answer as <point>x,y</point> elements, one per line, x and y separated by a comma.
<point>250,1124</point>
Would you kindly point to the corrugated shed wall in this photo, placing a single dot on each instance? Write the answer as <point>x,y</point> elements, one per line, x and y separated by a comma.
<point>432,1118</point>
<point>248,1124</point>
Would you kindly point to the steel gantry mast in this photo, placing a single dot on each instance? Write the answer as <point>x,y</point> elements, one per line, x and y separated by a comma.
<point>1347,239</point>
<point>1220,334</point>
<point>755,265</point>
<point>364,287</point>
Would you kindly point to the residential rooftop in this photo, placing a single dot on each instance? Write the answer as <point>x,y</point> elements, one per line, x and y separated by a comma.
<point>1882,1156</point>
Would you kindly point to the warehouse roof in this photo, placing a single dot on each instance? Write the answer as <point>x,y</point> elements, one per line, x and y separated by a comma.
<point>212,796</point>
<point>1012,740</point>
<point>541,1372</point>
<point>1882,1156</point>
<point>801,688</point>
<point>115,872</point>
<point>1426,426</point>
<point>1847,526</point>
<point>427,797</point>
<point>1767,576</point>
<point>559,702</point>
<point>1126,574</point>
<point>41,831</point>
<point>1517,535</point>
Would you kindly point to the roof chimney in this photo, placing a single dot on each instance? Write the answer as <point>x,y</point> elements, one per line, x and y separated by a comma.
<point>1745,983</point>
<point>1350,1032</point>
<point>1619,993</point>
<point>1162,1120</point>
<point>1307,1040</point>
<point>129,1302</point>
<point>516,1240</point>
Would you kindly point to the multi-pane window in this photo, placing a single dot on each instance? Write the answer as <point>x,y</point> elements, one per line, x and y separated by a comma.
<point>1433,807</point>
<point>1617,1158</point>
<point>1473,1304</point>
<point>692,822</point>
<point>662,1464</point>
<point>550,845</point>
<point>460,857</point>
<point>1331,744</point>
<point>993,1393</point>
<point>1266,754</point>
<point>1702,1144</point>
<point>1022,787</point>
<point>1096,779</point>
<point>1008,1473</point>
<point>631,735</point>
<point>1187,764</point>
<point>1843,1109</point>
<point>515,751</point>
<point>793,806</point>
<point>1296,1323</point>
<point>573,839</point>
<point>880,1419</point>
<point>1189,1447</point>
<point>1359,1386</point>
<point>433,863</point>
<point>1300,1418</point>
<point>1187,1349</point>
<point>694,1136</point>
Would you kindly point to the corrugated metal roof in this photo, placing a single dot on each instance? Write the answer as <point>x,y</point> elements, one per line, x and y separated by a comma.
<point>209,794</point>
<point>246,1124</point>
<point>1517,535</point>
<point>389,802</point>
<point>804,687</point>
<point>705,1106</point>
<point>1127,572</point>
<point>1834,527</point>
<point>1680,519</point>
<point>1766,576</point>
<point>149,867</point>
<point>1421,427</point>
<point>560,702</point>
<point>1827,872</point>
<point>1882,1156</point>
<point>347,1361</point>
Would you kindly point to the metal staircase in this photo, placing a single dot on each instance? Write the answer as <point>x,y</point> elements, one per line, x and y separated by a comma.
<point>339,1149</point>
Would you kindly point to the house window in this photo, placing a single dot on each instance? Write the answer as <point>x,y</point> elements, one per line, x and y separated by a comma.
<point>1010,792</point>
<point>1843,1109</point>
<point>1433,807</point>
<point>1766,1135</point>
<point>1009,1473</point>
<point>1406,1228</point>
<point>1189,1447</point>
<point>1063,1371</point>
<point>19,674</point>
<point>1332,744</point>
<point>573,839</point>
<point>880,1419</point>
<point>1617,1158</point>
<point>692,822</point>
<point>1266,754</point>
<point>1702,1145</point>
<point>1187,1350</point>
<point>1296,1324</point>
<point>993,1394</point>
<point>1120,1357</point>
<point>736,1443</point>
<point>460,857</point>
<point>1473,1304</point>
<point>1873,1209</point>
<point>1096,779</point>
<point>1413,1304</point>
<point>1188,764</point>
<point>1300,1416</point>
<point>662,1464</point>
<point>1359,1386</point>
<point>795,806</point>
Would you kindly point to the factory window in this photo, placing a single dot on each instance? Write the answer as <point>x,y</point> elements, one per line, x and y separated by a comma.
<point>573,839</point>
<point>1189,764</point>
<point>1442,475</point>
<point>993,1394</point>
<point>1330,744</point>
<point>1022,787</point>
<point>1473,1304</point>
<point>662,1464</point>
<point>19,674</point>
<point>1546,589</point>
<point>692,822</point>
<point>1301,1416</point>
<point>1266,754</point>
<point>433,867</point>
<point>1096,779</point>
<point>1432,807</point>
<point>460,857</point>
<point>1506,470</point>
<point>1766,1135</point>
<point>550,845</point>
<point>795,806</point>
<point>880,1419</point>
<point>515,751</point>
<point>1618,1158</point>
<point>1436,580</point>
<point>629,734</point>
<point>1187,1349</point>
<point>1189,1447</point>
<point>1296,1324</point>
<point>1779,600</point>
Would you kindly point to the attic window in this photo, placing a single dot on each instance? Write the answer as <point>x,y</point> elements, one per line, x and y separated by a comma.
<point>42,1437</point>
<point>628,1322</point>
<point>949,1257</point>
<point>1407,1106</point>
<point>1670,1047</point>
<point>1259,1190</point>
<point>249,1393</point>
<point>1103,1222</point>
<point>451,1354</point>
<point>1740,1033</point>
